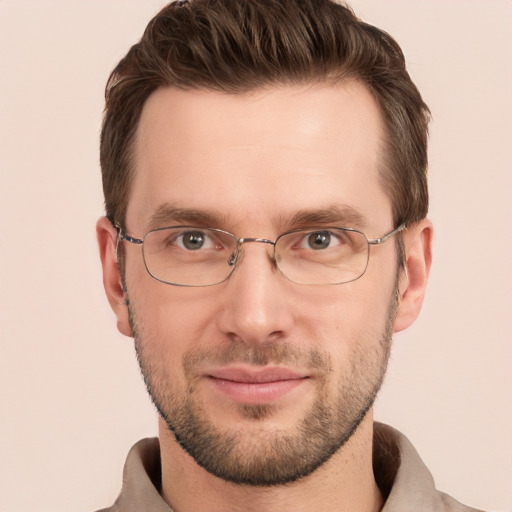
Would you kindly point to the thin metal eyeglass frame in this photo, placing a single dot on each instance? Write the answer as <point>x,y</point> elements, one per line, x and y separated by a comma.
<point>123,236</point>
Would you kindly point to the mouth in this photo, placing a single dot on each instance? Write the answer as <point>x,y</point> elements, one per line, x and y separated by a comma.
<point>256,386</point>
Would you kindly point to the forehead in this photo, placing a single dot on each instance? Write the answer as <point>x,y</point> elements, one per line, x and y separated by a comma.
<point>260,156</point>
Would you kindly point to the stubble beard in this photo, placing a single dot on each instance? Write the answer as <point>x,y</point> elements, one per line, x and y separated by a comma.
<point>263,457</point>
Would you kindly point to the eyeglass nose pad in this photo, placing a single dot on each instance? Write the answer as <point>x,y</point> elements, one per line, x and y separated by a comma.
<point>234,257</point>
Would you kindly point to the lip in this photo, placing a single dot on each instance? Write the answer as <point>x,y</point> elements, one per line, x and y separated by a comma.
<point>256,385</point>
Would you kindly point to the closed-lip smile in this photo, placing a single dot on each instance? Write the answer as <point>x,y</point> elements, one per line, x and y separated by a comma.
<point>252,385</point>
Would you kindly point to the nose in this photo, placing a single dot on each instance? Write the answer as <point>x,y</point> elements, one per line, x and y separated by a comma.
<point>257,305</point>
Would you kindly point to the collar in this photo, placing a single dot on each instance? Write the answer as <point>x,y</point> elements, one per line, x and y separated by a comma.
<point>403,478</point>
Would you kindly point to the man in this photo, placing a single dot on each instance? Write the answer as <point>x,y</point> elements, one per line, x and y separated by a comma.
<point>264,170</point>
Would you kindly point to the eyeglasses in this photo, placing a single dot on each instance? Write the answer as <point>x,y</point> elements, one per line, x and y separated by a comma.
<point>195,256</point>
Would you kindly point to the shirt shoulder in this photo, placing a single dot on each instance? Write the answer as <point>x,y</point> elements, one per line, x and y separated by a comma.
<point>141,480</point>
<point>403,477</point>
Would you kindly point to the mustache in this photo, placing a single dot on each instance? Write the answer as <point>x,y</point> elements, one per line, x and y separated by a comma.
<point>257,354</point>
<point>276,352</point>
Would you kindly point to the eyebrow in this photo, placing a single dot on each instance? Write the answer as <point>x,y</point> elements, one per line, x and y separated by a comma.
<point>167,213</point>
<point>339,216</point>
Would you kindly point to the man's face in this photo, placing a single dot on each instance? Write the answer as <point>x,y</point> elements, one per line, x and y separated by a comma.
<point>261,379</point>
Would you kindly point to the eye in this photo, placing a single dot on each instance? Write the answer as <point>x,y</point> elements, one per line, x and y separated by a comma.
<point>320,240</point>
<point>194,240</point>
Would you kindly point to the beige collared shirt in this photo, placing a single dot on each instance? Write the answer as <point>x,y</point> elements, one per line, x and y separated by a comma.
<point>399,471</point>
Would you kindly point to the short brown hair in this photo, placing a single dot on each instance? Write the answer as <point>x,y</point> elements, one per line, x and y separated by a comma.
<point>235,46</point>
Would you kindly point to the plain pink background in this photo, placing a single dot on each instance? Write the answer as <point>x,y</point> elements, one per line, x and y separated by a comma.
<point>71,399</point>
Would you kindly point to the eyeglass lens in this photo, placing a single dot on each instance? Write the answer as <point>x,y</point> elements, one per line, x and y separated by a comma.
<point>192,256</point>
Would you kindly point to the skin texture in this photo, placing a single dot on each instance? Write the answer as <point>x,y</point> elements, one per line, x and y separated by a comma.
<point>250,163</point>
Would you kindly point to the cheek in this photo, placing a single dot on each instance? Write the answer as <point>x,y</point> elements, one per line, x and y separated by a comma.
<point>353,316</point>
<point>172,319</point>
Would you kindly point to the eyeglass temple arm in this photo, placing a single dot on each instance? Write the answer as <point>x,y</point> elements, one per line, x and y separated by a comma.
<point>382,239</point>
<point>122,235</point>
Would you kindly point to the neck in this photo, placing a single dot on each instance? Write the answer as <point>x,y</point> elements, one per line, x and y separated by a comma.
<point>344,483</point>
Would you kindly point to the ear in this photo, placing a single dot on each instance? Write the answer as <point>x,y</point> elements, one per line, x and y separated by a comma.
<point>107,242</point>
<point>413,280</point>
